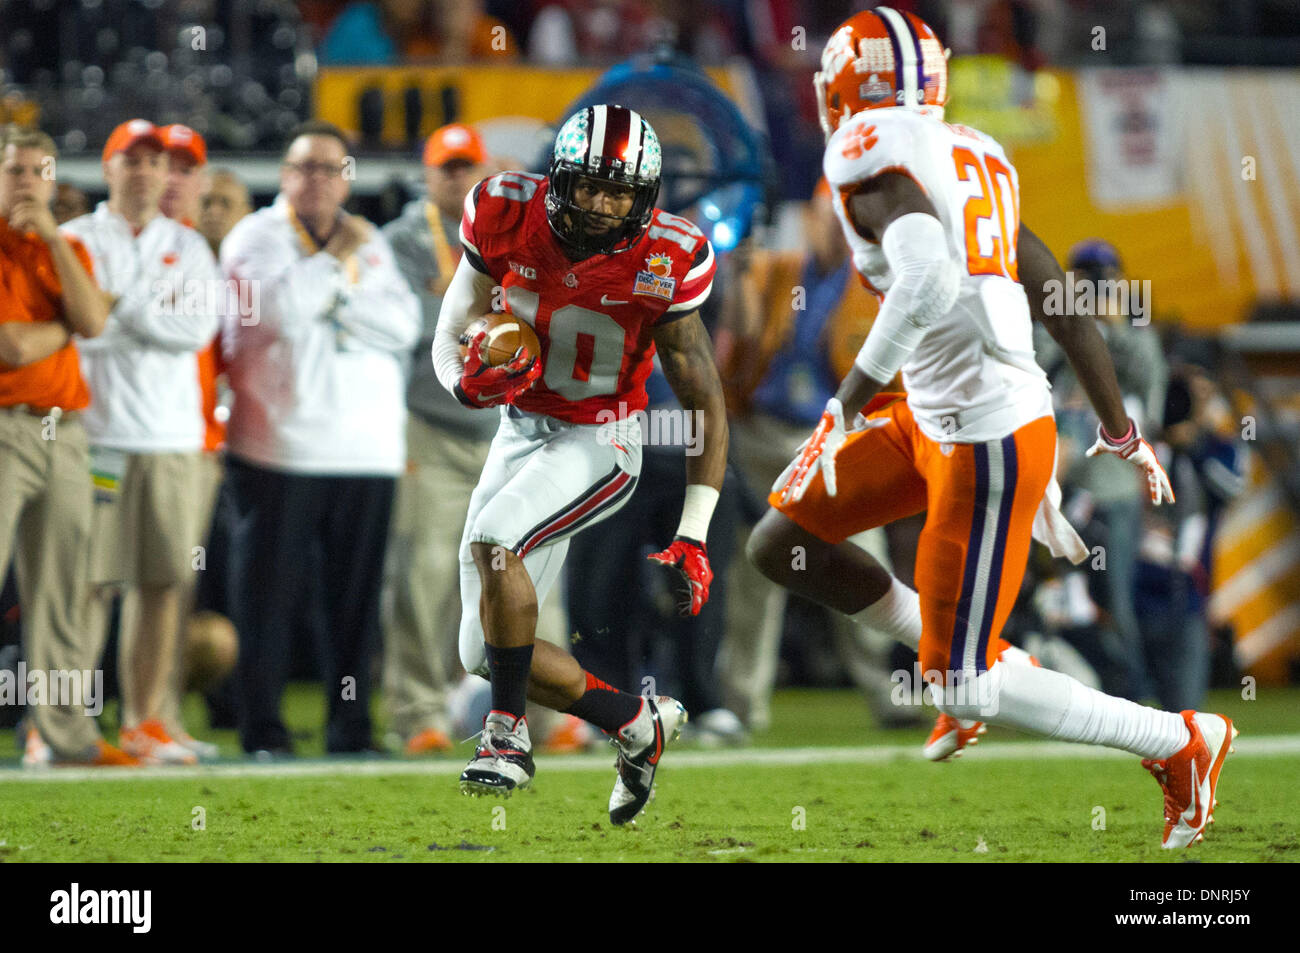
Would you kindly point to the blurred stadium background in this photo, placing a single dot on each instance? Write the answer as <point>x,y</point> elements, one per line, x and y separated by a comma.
<point>1166,128</point>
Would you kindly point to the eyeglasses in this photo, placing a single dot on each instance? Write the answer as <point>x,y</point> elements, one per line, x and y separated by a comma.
<point>308,169</point>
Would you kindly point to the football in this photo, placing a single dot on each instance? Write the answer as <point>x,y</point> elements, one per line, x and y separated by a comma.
<point>505,335</point>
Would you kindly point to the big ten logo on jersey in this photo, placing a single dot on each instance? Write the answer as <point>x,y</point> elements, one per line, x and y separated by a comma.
<point>858,141</point>
<point>993,191</point>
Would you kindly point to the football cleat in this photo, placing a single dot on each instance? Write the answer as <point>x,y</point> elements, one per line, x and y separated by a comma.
<point>951,736</point>
<point>569,736</point>
<point>640,745</point>
<point>1189,777</point>
<point>150,744</point>
<point>428,741</point>
<point>36,753</point>
<point>503,761</point>
<point>203,750</point>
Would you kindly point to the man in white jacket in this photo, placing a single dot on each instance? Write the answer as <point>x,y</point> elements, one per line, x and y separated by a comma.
<point>144,422</point>
<point>316,436</point>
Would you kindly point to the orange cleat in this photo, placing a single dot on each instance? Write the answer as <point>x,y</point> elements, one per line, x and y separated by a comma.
<point>429,741</point>
<point>102,755</point>
<point>571,735</point>
<point>150,743</point>
<point>36,753</point>
<point>950,736</point>
<point>1189,777</point>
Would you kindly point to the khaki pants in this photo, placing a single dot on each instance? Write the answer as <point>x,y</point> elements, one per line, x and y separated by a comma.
<point>422,611</point>
<point>763,447</point>
<point>45,500</point>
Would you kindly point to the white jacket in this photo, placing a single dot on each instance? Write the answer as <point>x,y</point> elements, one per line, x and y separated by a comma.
<point>143,370</point>
<point>316,361</point>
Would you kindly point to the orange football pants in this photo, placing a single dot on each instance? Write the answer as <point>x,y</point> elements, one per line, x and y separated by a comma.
<point>980,500</point>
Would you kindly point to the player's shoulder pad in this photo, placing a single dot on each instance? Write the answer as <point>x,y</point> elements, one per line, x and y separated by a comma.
<point>497,205</point>
<point>680,257</point>
<point>876,141</point>
<point>677,237</point>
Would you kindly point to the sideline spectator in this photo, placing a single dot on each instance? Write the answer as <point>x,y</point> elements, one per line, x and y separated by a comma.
<point>393,32</point>
<point>69,203</point>
<point>316,436</point>
<point>145,425</point>
<point>187,159</point>
<point>798,320</point>
<point>207,633</point>
<point>222,203</point>
<point>446,446</point>
<point>1173,570</point>
<point>47,294</point>
<point>1104,493</point>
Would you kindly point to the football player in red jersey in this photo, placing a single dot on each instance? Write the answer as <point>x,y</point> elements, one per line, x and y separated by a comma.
<point>606,280</point>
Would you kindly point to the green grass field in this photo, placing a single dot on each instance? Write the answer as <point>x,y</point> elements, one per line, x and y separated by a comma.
<point>822,785</point>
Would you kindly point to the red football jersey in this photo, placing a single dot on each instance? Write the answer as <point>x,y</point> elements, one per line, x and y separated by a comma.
<point>595,318</point>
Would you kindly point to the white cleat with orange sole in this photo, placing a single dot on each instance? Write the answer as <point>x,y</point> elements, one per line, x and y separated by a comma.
<point>1190,777</point>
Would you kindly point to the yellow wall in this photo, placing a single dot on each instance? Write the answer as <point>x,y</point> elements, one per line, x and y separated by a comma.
<point>483,92</point>
<point>1161,245</point>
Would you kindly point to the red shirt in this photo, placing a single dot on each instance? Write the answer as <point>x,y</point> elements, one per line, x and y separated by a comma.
<point>595,318</point>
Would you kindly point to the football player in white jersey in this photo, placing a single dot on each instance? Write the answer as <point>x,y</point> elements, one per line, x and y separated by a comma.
<point>932,213</point>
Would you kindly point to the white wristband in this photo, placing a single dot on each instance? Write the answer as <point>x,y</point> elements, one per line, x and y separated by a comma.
<point>697,511</point>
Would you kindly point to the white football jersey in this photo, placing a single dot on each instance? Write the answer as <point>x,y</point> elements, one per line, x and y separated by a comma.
<point>973,376</point>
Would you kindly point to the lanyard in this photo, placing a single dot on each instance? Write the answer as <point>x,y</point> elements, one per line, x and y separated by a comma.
<point>312,246</point>
<point>442,253</point>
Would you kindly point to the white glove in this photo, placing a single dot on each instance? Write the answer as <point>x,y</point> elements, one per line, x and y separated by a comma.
<point>1139,453</point>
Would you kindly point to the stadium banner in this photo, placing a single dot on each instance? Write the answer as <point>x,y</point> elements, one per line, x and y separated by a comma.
<point>469,94</point>
<point>1134,147</point>
<point>1226,236</point>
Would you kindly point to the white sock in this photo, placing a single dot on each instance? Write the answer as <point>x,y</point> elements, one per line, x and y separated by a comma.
<point>1057,706</point>
<point>897,614</point>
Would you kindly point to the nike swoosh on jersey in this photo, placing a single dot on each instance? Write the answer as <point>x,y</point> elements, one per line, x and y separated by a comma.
<point>606,299</point>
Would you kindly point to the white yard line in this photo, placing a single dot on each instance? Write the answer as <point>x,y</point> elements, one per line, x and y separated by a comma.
<point>1262,746</point>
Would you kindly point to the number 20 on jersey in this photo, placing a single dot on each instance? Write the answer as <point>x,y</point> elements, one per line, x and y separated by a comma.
<point>990,174</point>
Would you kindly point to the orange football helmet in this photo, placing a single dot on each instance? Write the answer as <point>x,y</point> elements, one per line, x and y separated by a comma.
<point>881,58</point>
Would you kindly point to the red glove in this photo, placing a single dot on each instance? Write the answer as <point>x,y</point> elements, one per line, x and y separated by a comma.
<point>691,559</point>
<point>484,386</point>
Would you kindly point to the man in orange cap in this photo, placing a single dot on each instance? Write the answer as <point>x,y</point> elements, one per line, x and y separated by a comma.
<point>145,424</point>
<point>446,446</point>
<point>187,159</point>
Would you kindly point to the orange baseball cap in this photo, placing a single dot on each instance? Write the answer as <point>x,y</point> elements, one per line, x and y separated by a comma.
<point>186,141</point>
<point>129,133</point>
<point>454,142</point>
